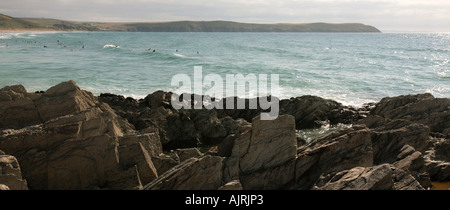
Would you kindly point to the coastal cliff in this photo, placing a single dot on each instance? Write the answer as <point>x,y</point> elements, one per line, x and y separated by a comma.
<point>38,24</point>
<point>67,138</point>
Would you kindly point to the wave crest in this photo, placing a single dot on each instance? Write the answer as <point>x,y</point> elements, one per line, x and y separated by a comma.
<point>111,46</point>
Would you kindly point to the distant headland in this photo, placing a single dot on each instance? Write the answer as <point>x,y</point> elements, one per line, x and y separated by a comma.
<point>13,24</point>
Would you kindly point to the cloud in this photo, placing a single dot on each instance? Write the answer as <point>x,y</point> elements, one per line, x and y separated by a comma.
<point>384,14</point>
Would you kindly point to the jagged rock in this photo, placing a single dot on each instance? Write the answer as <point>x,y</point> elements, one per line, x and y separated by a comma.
<point>164,162</point>
<point>51,154</point>
<point>185,154</point>
<point>403,125</point>
<point>191,127</point>
<point>239,146</point>
<point>337,151</point>
<point>437,160</point>
<point>65,138</point>
<point>233,185</point>
<point>439,170</point>
<point>136,155</point>
<point>177,128</point>
<point>404,180</point>
<point>373,121</point>
<point>75,144</point>
<point>399,142</point>
<point>413,162</point>
<point>225,147</point>
<point>143,118</point>
<point>380,177</point>
<point>389,139</point>
<point>310,111</point>
<point>17,108</point>
<point>10,174</point>
<point>203,173</point>
<point>157,99</point>
<point>151,120</point>
<point>123,179</point>
<point>233,126</point>
<point>272,143</point>
<point>386,106</point>
<point>262,158</point>
<point>274,178</point>
<point>208,125</point>
<point>150,142</point>
<point>358,178</point>
<point>63,99</point>
<point>421,108</point>
<point>119,101</point>
<point>181,132</point>
<point>242,113</point>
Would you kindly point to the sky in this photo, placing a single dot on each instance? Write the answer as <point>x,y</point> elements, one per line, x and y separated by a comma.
<point>386,15</point>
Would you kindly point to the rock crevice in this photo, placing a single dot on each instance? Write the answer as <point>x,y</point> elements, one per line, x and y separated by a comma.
<point>66,138</point>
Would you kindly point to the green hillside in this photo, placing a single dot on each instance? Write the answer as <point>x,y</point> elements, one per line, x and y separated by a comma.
<point>7,22</point>
<point>62,25</point>
<point>227,26</point>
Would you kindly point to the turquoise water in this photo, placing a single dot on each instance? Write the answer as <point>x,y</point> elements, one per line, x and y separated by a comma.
<point>350,68</point>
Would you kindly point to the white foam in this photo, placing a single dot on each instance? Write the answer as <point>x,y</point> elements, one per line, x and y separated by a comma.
<point>347,99</point>
<point>5,35</point>
<point>111,46</point>
<point>311,134</point>
<point>135,96</point>
<point>179,55</point>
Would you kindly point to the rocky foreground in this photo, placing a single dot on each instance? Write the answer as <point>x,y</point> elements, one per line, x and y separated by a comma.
<point>67,138</point>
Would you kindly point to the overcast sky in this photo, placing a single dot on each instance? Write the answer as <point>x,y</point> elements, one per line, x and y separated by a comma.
<point>386,15</point>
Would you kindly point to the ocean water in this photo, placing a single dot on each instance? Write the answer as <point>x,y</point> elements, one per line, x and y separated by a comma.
<point>350,68</point>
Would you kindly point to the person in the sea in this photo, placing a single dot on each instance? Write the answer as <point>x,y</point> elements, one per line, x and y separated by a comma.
<point>154,51</point>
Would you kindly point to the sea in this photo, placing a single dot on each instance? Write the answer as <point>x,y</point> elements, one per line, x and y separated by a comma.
<point>351,68</point>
